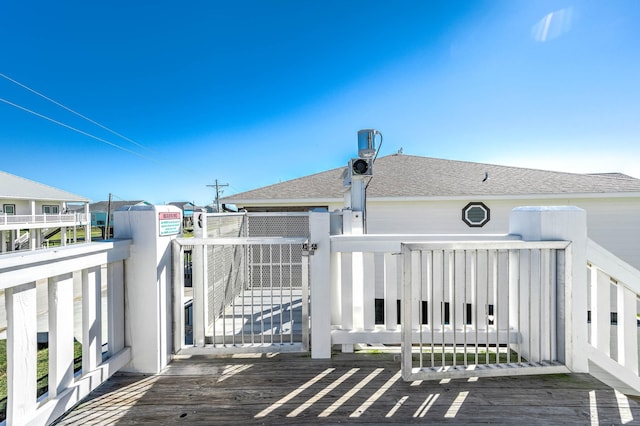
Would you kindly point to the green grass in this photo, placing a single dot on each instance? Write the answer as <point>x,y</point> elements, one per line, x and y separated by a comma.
<point>41,374</point>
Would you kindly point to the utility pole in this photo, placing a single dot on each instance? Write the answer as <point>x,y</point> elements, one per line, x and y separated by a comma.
<point>217,186</point>
<point>108,225</point>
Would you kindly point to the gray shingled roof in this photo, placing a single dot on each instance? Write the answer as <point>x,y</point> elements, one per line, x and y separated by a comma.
<point>402,176</point>
<point>101,206</point>
<point>19,188</point>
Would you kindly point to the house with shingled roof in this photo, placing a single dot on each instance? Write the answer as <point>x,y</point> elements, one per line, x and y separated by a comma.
<point>32,212</point>
<point>413,194</point>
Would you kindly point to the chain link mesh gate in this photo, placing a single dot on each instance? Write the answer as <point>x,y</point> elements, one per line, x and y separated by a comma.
<point>250,290</point>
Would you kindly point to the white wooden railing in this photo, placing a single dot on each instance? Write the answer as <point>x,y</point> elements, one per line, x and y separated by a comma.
<point>481,303</point>
<point>92,267</point>
<point>53,219</point>
<point>366,287</point>
<point>613,338</point>
<point>356,283</point>
<point>486,308</point>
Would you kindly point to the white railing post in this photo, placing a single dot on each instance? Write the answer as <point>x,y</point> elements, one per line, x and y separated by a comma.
<point>177,259</point>
<point>115,306</point>
<point>60,290</point>
<point>600,310</point>
<point>352,278</point>
<point>148,307</point>
<point>336,271</point>
<point>391,291</point>
<point>319,225</point>
<point>627,329</point>
<point>569,224</point>
<point>91,318</point>
<point>198,280</point>
<point>20,305</point>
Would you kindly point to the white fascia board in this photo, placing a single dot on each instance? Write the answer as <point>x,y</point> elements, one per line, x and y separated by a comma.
<point>280,202</point>
<point>590,195</point>
<point>66,199</point>
<point>306,201</point>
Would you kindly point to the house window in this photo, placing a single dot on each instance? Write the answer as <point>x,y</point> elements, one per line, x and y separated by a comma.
<point>475,214</point>
<point>9,208</point>
<point>50,209</point>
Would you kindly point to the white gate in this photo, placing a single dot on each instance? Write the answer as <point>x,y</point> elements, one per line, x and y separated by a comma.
<point>482,309</point>
<point>250,285</point>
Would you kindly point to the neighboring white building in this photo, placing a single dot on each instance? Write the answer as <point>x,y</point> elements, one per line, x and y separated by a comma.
<point>31,211</point>
<point>411,194</point>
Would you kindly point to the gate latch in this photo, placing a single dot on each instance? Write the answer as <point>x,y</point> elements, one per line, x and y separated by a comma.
<point>309,249</point>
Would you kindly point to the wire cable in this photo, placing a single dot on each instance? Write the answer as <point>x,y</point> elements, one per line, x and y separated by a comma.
<point>373,162</point>
<point>122,148</point>
<point>77,130</point>
<point>24,86</point>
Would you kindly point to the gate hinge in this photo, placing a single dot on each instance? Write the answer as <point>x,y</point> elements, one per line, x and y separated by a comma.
<point>309,249</point>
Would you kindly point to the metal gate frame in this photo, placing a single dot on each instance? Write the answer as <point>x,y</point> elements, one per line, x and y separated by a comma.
<point>234,234</point>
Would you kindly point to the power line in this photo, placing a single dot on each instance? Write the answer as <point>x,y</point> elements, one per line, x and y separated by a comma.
<point>122,148</point>
<point>127,150</point>
<point>76,130</point>
<point>24,86</point>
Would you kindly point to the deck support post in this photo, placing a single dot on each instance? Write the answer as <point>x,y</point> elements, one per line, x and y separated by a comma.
<point>320,283</point>
<point>563,223</point>
<point>148,291</point>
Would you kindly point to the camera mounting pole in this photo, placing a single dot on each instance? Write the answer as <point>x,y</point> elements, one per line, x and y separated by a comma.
<point>359,171</point>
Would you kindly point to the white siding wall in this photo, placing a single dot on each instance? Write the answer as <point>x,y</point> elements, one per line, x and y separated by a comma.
<point>24,206</point>
<point>613,223</point>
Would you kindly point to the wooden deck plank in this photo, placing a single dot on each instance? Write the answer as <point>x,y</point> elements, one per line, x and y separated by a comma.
<point>349,388</point>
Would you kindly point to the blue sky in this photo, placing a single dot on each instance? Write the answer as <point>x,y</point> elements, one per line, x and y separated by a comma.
<point>256,92</point>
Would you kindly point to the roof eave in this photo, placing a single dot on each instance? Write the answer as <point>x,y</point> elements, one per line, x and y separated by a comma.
<point>592,195</point>
<point>274,202</point>
<point>67,199</point>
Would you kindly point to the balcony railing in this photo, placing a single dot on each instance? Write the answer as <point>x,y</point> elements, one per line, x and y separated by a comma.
<point>43,219</point>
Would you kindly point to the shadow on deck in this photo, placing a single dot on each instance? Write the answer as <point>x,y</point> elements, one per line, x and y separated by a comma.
<point>349,388</point>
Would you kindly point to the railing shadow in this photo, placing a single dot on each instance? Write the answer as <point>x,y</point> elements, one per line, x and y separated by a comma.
<point>290,389</point>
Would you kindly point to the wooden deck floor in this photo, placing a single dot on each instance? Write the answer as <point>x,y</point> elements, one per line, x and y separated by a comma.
<point>349,388</point>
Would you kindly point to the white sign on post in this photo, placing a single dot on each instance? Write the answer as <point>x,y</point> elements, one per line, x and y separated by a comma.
<point>169,223</point>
